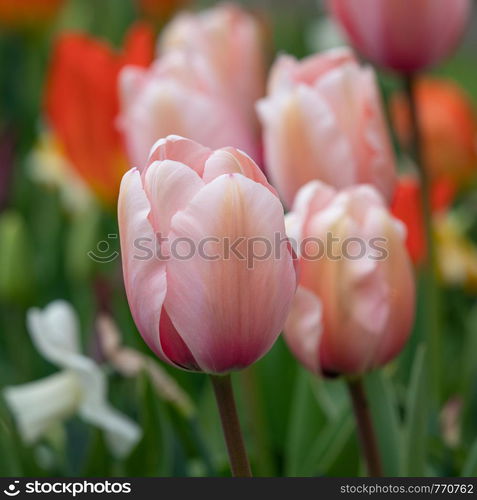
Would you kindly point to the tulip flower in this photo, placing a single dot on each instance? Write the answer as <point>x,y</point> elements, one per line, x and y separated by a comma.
<point>80,387</point>
<point>14,13</point>
<point>448,128</point>
<point>82,104</point>
<point>322,119</point>
<point>178,95</point>
<point>211,311</point>
<point>407,207</point>
<point>354,308</point>
<point>204,297</point>
<point>210,65</point>
<point>403,36</point>
<point>232,42</point>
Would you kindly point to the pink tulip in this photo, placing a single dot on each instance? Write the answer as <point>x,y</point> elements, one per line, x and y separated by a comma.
<point>322,119</point>
<point>178,94</point>
<point>202,306</point>
<point>232,41</point>
<point>354,307</point>
<point>402,35</point>
<point>204,85</point>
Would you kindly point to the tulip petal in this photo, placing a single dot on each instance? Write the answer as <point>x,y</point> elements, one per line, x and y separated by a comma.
<point>353,94</point>
<point>170,186</point>
<point>185,151</point>
<point>303,328</point>
<point>287,70</point>
<point>144,274</point>
<point>232,161</point>
<point>228,314</point>
<point>303,142</point>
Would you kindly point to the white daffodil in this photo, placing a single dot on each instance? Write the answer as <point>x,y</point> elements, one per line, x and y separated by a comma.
<point>80,387</point>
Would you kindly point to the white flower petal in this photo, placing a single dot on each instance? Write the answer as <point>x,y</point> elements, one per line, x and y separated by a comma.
<point>39,405</point>
<point>54,331</point>
<point>122,434</point>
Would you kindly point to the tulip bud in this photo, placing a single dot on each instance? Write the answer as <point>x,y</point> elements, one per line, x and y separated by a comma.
<point>201,299</point>
<point>400,35</point>
<point>354,308</point>
<point>323,120</point>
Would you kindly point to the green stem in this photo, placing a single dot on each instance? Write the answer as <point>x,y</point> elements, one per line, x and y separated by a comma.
<point>256,415</point>
<point>431,296</point>
<point>231,426</point>
<point>364,424</point>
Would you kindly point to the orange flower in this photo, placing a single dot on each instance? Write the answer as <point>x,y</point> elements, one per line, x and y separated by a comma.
<point>407,207</point>
<point>82,104</point>
<point>449,128</point>
<point>26,12</point>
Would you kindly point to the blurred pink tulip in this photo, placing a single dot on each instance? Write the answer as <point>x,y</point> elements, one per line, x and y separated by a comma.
<point>201,306</point>
<point>354,308</point>
<point>204,85</point>
<point>178,95</point>
<point>322,119</point>
<point>401,35</point>
<point>232,41</point>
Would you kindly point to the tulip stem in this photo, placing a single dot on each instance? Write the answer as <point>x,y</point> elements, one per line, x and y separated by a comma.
<point>364,423</point>
<point>429,271</point>
<point>231,426</point>
<point>415,150</point>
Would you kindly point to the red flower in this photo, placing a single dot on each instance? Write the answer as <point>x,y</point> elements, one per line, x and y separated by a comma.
<point>407,207</point>
<point>82,104</point>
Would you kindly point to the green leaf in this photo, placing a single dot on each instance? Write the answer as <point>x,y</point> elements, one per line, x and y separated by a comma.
<point>305,423</point>
<point>327,447</point>
<point>415,437</point>
<point>9,461</point>
<point>384,411</point>
<point>211,429</point>
<point>470,466</point>
<point>331,395</point>
<point>98,459</point>
<point>153,456</point>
